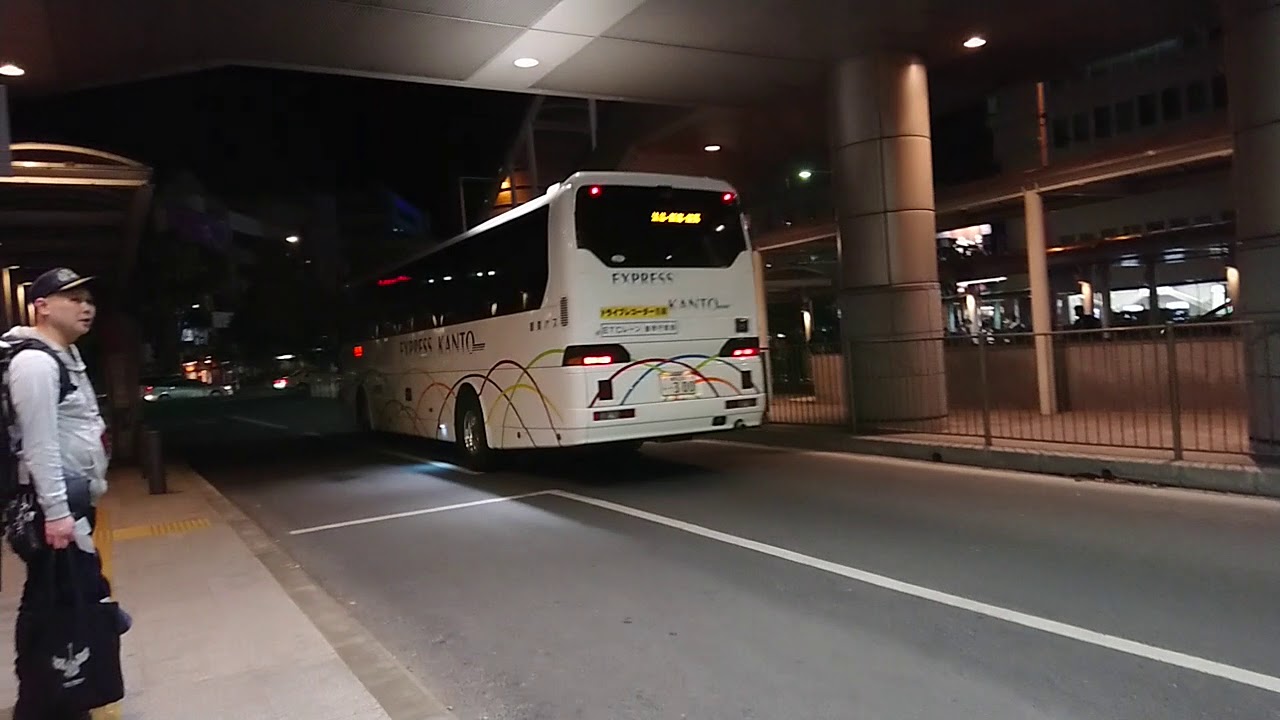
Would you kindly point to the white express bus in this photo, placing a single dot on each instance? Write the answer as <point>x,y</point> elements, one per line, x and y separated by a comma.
<point>616,308</point>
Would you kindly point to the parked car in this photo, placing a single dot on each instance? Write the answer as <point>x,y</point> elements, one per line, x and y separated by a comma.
<point>181,388</point>
<point>309,382</point>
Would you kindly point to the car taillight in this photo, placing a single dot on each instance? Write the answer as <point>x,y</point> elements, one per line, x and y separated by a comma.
<point>357,351</point>
<point>149,389</point>
<point>741,348</point>
<point>595,355</point>
<point>280,383</point>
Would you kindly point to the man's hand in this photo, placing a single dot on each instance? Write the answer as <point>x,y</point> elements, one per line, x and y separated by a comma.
<point>60,533</point>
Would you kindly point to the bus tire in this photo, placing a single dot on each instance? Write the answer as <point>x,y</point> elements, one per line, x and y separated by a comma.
<point>364,420</point>
<point>471,437</point>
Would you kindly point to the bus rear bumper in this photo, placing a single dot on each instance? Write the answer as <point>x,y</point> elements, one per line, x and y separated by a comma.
<point>661,421</point>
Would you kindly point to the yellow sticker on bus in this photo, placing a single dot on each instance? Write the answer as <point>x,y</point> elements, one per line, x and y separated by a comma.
<point>633,313</point>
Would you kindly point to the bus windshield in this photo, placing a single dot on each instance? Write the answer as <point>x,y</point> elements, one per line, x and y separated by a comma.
<point>634,226</point>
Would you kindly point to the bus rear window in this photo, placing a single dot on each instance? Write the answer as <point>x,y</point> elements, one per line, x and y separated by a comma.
<point>632,226</point>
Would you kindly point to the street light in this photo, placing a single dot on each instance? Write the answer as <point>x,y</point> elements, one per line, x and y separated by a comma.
<point>293,239</point>
<point>11,70</point>
<point>805,174</point>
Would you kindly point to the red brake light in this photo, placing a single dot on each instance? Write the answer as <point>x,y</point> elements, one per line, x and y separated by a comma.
<point>595,191</point>
<point>150,389</point>
<point>387,282</point>
<point>743,347</point>
<point>357,351</point>
<point>728,198</point>
<point>595,355</point>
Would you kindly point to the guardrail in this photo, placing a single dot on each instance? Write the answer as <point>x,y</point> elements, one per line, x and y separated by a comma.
<point>1178,388</point>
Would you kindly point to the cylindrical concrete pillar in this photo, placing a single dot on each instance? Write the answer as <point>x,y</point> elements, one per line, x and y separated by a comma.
<point>1041,300</point>
<point>890,300</point>
<point>1253,54</point>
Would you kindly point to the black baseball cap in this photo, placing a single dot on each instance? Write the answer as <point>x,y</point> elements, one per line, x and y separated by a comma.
<point>56,281</point>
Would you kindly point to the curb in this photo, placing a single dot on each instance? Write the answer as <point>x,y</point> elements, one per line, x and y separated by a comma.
<point>1257,480</point>
<point>391,684</point>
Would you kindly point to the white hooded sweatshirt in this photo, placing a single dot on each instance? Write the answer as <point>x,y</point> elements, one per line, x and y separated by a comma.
<point>60,441</point>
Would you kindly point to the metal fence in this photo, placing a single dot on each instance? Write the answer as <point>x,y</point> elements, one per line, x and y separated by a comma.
<point>1178,388</point>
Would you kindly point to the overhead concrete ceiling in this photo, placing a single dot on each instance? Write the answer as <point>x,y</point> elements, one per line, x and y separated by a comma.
<point>695,52</point>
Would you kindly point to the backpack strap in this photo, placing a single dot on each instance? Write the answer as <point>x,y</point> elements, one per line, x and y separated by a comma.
<point>65,386</point>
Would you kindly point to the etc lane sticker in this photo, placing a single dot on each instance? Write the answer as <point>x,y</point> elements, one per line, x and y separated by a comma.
<point>638,329</point>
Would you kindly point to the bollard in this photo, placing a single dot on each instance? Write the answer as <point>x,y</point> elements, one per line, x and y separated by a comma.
<point>153,462</point>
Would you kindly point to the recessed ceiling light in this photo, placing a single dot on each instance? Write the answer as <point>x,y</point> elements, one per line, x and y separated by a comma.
<point>526,62</point>
<point>975,42</point>
<point>11,70</point>
<point>711,148</point>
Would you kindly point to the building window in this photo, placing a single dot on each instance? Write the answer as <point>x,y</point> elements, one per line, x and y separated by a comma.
<point>1220,91</point>
<point>1102,122</point>
<point>1061,133</point>
<point>1124,116</point>
<point>1171,104</point>
<point>1080,127</point>
<point>1147,111</point>
<point>1197,98</point>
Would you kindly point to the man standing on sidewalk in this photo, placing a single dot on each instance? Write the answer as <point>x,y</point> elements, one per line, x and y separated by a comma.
<point>62,454</point>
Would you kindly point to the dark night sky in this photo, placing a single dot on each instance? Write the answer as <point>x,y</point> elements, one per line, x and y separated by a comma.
<point>247,132</point>
<point>250,133</point>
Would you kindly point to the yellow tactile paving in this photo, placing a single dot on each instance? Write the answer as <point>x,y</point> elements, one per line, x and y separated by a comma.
<point>177,527</point>
<point>104,539</point>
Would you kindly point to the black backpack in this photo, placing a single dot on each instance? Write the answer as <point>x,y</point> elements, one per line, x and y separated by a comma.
<point>10,438</point>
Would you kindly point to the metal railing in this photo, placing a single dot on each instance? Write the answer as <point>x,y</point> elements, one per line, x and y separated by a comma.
<point>1180,388</point>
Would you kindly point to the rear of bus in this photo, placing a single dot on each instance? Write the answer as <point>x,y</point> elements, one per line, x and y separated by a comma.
<point>664,338</point>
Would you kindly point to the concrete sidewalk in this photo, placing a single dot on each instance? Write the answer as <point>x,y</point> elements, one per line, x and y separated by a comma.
<point>1242,475</point>
<point>225,625</point>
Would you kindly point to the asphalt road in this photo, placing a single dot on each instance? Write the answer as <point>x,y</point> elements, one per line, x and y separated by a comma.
<point>717,581</point>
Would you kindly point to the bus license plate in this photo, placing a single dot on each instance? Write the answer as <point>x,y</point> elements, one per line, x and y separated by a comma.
<point>678,385</point>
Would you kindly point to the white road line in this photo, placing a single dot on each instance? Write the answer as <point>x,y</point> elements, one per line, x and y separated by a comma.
<point>273,426</point>
<point>1150,652</point>
<point>412,513</point>
<point>428,461</point>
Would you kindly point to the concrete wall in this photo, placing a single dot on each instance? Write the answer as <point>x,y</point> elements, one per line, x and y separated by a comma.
<point>1116,375</point>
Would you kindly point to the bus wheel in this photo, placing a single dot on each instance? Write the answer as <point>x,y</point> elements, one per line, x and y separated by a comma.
<point>363,419</point>
<point>473,441</point>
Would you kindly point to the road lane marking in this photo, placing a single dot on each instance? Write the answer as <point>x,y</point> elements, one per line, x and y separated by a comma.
<point>428,461</point>
<point>413,513</point>
<point>273,426</point>
<point>1053,627</point>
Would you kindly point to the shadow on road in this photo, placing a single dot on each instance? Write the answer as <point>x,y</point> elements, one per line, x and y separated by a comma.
<point>282,433</point>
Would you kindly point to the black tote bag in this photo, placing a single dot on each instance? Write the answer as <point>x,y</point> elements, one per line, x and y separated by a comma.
<point>73,655</point>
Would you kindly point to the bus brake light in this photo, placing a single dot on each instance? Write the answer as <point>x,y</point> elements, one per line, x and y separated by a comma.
<point>357,351</point>
<point>595,355</point>
<point>595,191</point>
<point>746,352</point>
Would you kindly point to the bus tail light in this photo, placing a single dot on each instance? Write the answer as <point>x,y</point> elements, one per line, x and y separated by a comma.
<point>741,348</point>
<point>595,355</point>
<point>357,351</point>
